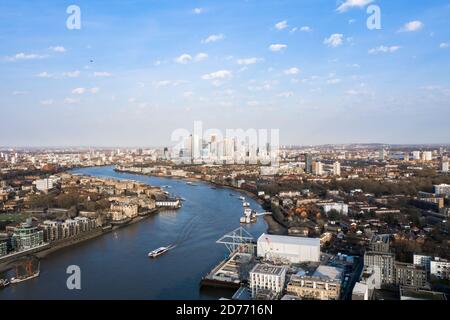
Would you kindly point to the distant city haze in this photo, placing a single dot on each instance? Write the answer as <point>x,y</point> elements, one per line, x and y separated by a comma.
<point>136,71</point>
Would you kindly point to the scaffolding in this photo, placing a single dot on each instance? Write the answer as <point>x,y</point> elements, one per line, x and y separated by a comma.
<point>237,240</point>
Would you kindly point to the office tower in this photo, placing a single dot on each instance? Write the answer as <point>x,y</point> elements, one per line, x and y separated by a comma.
<point>427,156</point>
<point>444,164</point>
<point>406,156</point>
<point>337,169</point>
<point>309,163</point>
<point>382,154</point>
<point>317,168</point>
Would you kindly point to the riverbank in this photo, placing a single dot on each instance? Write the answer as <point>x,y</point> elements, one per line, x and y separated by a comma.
<point>212,183</point>
<point>61,244</point>
<point>274,226</point>
<point>121,257</point>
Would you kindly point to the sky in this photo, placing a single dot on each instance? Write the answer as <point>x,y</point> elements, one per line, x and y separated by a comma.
<point>137,70</point>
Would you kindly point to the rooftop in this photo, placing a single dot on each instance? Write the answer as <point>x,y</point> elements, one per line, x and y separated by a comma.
<point>290,240</point>
<point>407,293</point>
<point>331,273</point>
<point>268,269</point>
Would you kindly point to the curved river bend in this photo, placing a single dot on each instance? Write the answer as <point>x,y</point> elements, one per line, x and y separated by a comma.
<point>116,266</point>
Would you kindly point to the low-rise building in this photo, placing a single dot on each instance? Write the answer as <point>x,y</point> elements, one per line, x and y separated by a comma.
<point>380,243</point>
<point>417,294</point>
<point>440,268</point>
<point>44,185</point>
<point>410,275</point>
<point>442,190</point>
<point>128,210</point>
<point>26,237</point>
<point>265,277</point>
<point>422,260</point>
<point>324,284</point>
<point>340,207</point>
<point>370,281</point>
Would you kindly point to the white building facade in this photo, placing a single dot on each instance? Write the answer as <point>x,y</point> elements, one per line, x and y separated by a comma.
<point>267,278</point>
<point>289,249</point>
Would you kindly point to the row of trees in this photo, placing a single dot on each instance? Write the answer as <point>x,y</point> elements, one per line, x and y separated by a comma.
<point>68,201</point>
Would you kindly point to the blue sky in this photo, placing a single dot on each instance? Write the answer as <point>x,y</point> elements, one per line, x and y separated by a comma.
<point>139,69</point>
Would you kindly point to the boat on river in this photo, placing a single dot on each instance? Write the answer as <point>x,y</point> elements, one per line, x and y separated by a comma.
<point>160,251</point>
<point>30,274</point>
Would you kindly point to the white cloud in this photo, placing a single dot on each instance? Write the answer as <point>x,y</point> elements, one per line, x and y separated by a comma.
<point>348,4</point>
<point>78,91</point>
<point>25,56</point>
<point>305,29</point>
<point>221,74</point>
<point>277,47</point>
<point>214,38</point>
<point>46,102</point>
<point>188,94</point>
<point>73,74</point>
<point>286,94</point>
<point>199,10</point>
<point>19,93</point>
<point>292,71</point>
<point>163,83</point>
<point>44,74</point>
<point>335,40</point>
<point>166,83</point>
<point>183,59</point>
<point>59,49</point>
<point>71,101</point>
<point>95,90</point>
<point>444,45</point>
<point>281,25</point>
<point>334,81</point>
<point>102,74</point>
<point>201,57</point>
<point>253,103</point>
<point>352,92</point>
<point>384,49</point>
<point>412,26</point>
<point>248,61</point>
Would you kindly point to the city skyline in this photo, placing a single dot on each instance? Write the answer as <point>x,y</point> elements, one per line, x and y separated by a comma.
<point>136,72</point>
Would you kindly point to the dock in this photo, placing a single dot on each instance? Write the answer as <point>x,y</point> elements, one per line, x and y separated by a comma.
<point>233,272</point>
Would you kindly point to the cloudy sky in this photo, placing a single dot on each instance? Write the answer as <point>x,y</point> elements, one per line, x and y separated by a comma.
<point>139,69</point>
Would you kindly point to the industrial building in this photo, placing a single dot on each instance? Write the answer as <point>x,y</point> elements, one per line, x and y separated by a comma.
<point>289,249</point>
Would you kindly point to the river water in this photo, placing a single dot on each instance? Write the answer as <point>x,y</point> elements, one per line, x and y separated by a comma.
<point>116,266</point>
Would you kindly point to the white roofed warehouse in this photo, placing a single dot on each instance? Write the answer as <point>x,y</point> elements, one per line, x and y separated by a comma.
<point>289,249</point>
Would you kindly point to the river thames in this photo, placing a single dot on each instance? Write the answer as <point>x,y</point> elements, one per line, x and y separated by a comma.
<point>115,265</point>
